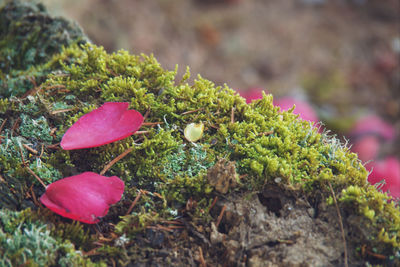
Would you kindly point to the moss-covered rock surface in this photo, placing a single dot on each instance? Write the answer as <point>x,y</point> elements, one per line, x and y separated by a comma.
<point>259,187</point>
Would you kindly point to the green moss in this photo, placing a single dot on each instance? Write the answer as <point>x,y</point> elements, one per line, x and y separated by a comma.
<point>382,217</point>
<point>30,37</point>
<point>264,142</point>
<point>32,246</point>
<point>28,243</point>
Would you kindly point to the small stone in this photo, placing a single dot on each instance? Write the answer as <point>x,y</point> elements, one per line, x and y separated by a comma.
<point>215,236</point>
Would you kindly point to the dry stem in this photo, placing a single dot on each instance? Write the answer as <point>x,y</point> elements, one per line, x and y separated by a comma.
<point>134,202</point>
<point>111,163</point>
<point>346,264</point>
<point>220,216</point>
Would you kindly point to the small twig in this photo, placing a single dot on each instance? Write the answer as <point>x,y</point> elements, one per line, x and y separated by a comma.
<point>15,126</point>
<point>233,115</point>
<point>243,176</point>
<point>213,203</point>
<point>164,228</point>
<point>172,222</point>
<point>146,114</point>
<point>22,156</point>
<point>176,227</point>
<point>346,264</point>
<point>34,197</point>
<point>91,252</point>
<point>61,111</point>
<point>56,86</point>
<point>151,123</point>
<point>215,127</point>
<point>41,151</point>
<point>201,258</point>
<point>2,124</point>
<point>30,149</point>
<point>52,131</point>
<point>37,177</point>
<point>220,216</point>
<point>266,133</point>
<point>53,146</point>
<point>111,163</point>
<point>141,132</point>
<point>191,111</point>
<point>111,71</point>
<point>33,90</point>
<point>134,203</point>
<point>114,264</point>
<point>158,195</point>
<point>376,255</point>
<point>285,241</point>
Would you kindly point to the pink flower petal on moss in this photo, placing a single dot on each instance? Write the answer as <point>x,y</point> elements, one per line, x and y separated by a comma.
<point>84,197</point>
<point>110,122</point>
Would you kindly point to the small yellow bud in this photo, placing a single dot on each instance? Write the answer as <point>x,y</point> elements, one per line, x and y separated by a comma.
<point>194,131</point>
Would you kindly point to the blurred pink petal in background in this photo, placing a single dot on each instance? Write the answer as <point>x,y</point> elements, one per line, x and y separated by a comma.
<point>303,108</point>
<point>388,169</point>
<point>367,147</point>
<point>251,94</point>
<point>373,124</point>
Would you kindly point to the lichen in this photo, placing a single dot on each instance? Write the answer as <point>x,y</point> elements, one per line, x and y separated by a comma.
<point>28,243</point>
<point>29,37</point>
<point>262,144</point>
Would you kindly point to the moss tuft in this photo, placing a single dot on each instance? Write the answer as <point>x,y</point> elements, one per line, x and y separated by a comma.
<point>262,143</point>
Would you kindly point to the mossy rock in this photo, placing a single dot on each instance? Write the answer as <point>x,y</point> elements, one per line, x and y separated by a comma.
<point>282,173</point>
<point>29,37</point>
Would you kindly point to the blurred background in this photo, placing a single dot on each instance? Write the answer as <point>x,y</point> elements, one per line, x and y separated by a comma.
<point>340,58</point>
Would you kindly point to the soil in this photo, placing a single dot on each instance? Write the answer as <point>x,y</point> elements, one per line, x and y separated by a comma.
<point>271,228</point>
<point>279,46</point>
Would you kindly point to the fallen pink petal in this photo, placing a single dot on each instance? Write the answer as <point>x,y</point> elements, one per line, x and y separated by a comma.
<point>388,169</point>
<point>303,109</point>
<point>109,123</point>
<point>373,124</point>
<point>251,94</point>
<point>366,147</point>
<point>84,197</point>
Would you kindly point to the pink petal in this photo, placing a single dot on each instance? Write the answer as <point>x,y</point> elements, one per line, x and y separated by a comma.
<point>110,122</point>
<point>303,109</point>
<point>251,94</point>
<point>388,169</point>
<point>372,124</point>
<point>366,147</point>
<point>84,197</point>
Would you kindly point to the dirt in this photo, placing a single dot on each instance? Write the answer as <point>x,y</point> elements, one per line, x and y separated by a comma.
<point>274,229</point>
<point>271,228</point>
